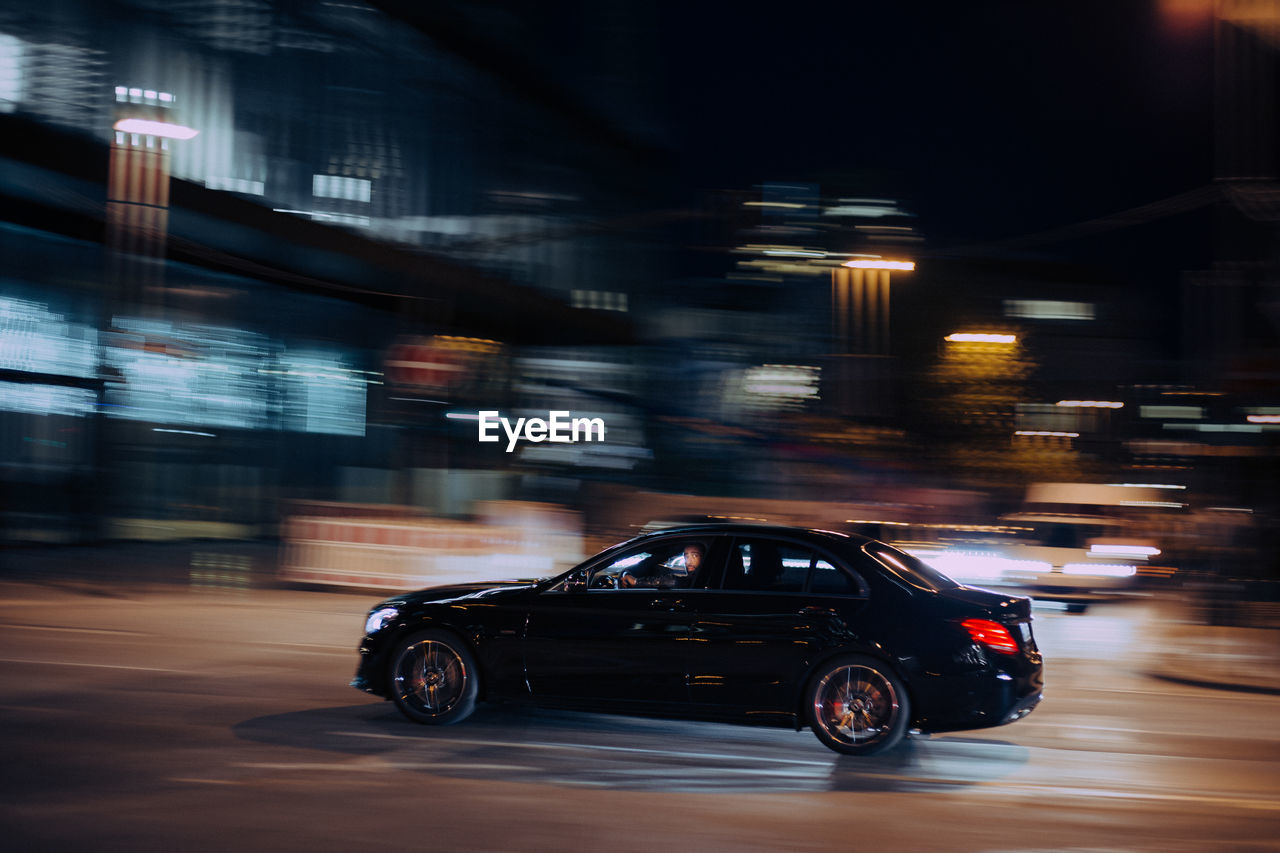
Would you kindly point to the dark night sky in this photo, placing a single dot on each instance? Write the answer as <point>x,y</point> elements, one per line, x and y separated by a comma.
<point>989,119</point>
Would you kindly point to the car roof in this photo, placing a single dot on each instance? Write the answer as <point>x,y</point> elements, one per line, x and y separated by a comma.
<point>828,536</point>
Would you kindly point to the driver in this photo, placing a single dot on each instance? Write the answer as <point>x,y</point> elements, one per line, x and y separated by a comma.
<point>673,577</point>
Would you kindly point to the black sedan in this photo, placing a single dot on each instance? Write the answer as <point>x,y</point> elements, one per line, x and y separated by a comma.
<point>740,623</point>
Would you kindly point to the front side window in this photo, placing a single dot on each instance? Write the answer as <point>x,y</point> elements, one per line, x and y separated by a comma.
<point>667,564</point>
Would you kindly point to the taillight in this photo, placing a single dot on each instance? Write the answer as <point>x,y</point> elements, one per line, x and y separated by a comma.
<point>993,635</point>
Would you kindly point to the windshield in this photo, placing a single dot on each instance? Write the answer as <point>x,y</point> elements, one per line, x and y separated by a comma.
<point>911,569</point>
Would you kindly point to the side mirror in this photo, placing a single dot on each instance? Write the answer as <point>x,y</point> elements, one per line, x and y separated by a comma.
<point>577,583</point>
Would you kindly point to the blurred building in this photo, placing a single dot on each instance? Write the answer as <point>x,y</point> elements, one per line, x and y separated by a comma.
<point>196,329</point>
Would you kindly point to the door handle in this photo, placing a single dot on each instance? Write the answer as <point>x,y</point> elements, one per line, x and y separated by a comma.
<point>817,611</point>
<point>667,604</point>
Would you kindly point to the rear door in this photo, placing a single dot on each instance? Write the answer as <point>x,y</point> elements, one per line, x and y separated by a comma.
<point>779,604</point>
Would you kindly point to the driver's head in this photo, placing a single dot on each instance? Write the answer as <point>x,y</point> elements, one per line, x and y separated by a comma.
<point>693,554</point>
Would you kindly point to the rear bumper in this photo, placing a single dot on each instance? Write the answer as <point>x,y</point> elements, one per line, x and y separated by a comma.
<point>1023,707</point>
<point>1001,693</point>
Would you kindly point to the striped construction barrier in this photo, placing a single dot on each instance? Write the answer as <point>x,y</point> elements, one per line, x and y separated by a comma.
<point>403,555</point>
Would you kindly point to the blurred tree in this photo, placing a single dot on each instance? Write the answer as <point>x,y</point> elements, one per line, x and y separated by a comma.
<point>974,389</point>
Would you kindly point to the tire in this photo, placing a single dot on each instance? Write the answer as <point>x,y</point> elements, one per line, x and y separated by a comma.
<point>857,705</point>
<point>433,678</point>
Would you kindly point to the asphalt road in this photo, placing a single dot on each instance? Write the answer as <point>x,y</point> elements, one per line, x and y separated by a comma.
<point>171,718</point>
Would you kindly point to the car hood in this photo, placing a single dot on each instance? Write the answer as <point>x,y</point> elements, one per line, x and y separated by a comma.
<point>474,589</point>
<point>998,605</point>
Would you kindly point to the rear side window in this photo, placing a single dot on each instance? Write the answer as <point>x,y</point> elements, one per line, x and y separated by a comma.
<point>828,580</point>
<point>766,565</point>
<point>763,565</point>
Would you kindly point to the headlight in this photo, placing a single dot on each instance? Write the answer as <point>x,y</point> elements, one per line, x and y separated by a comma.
<point>379,618</point>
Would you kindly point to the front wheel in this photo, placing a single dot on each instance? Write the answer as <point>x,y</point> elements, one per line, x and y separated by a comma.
<point>433,678</point>
<point>857,705</point>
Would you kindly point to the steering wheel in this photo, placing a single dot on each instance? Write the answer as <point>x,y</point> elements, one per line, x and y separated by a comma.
<point>605,582</point>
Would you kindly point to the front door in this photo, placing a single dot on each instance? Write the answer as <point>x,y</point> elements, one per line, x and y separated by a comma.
<point>624,638</point>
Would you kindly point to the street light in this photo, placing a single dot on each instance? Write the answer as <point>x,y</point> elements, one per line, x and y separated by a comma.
<point>138,191</point>
<point>860,326</point>
<point>147,127</point>
<point>860,304</point>
<point>879,264</point>
<point>981,338</point>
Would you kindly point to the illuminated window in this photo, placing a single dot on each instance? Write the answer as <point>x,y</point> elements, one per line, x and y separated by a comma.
<point>1186,413</point>
<point>1048,309</point>
<point>598,300</point>
<point>10,73</point>
<point>335,186</point>
<point>235,185</point>
<point>46,399</point>
<point>322,394</point>
<point>35,340</point>
<point>187,375</point>
<point>780,385</point>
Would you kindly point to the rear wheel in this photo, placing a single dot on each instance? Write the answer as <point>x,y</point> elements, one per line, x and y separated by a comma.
<point>433,678</point>
<point>857,705</point>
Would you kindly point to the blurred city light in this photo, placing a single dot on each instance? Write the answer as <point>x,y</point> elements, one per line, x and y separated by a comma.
<point>981,338</point>
<point>1118,550</point>
<point>1091,404</point>
<point>1106,570</point>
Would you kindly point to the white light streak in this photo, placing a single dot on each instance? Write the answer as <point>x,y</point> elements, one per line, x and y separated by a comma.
<point>1145,486</point>
<point>1106,570</point>
<point>1121,550</point>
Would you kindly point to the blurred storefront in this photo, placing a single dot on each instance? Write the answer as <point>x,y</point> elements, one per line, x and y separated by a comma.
<point>258,358</point>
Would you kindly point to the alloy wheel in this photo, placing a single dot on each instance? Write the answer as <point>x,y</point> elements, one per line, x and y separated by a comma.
<point>856,705</point>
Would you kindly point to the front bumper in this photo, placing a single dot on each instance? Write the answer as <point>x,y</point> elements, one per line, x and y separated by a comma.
<point>370,671</point>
